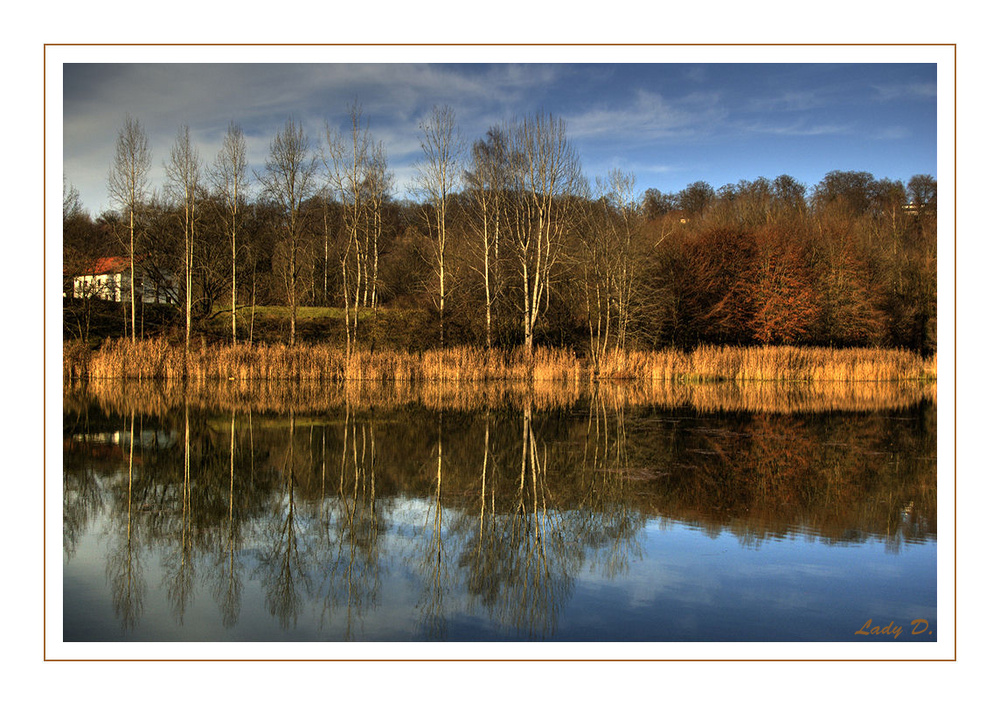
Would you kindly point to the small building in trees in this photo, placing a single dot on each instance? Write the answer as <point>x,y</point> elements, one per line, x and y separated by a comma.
<point>109,278</point>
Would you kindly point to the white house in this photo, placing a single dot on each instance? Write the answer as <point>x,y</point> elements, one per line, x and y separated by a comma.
<point>109,279</point>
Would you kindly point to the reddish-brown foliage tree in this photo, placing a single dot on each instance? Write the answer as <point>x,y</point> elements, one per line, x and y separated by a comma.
<point>716,300</point>
<point>852,300</point>
<point>785,304</point>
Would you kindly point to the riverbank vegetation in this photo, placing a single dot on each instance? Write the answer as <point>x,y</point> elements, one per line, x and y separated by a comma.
<point>512,265</point>
<point>158,359</point>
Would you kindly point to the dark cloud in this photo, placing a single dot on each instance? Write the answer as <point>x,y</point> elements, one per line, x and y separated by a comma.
<point>668,122</point>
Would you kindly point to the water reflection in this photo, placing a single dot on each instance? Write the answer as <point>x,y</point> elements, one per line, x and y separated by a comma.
<point>415,513</point>
<point>124,564</point>
<point>349,527</point>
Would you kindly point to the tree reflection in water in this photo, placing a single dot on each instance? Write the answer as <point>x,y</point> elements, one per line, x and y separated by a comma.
<point>349,529</point>
<point>281,568</point>
<point>228,589</point>
<point>178,564</point>
<point>522,495</point>
<point>124,564</point>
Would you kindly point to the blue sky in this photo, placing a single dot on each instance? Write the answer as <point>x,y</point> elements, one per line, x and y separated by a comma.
<point>669,124</point>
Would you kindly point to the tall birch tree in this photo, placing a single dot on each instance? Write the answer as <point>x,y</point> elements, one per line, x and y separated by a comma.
<point>183,182</point>
<point>437,175</point>
<point>611,261</point>
<point>229,175</point>
<point>289,178</point>
<point>346,160</point>
<point>378,183</point>
<point>546,183</point>
<point>486,182</point>
<point>128,185</point>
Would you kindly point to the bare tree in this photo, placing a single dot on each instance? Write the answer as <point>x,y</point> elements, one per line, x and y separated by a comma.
<point>72,204</point>
<point>546,182</point>
<point>610,262</point>
<point>229,175</point>
<point>289,179</point>
<point>486,182</point>
<point>128,183</point>
<point>325,203</point>
<point>378,183</point>
<point>437,174</point>
<point>346,161</point>
<point>183,182</point>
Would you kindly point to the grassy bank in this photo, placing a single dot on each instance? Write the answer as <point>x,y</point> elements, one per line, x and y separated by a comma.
<point>158,359</point>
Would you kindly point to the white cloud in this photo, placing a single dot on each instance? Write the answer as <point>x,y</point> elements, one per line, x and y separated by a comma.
<point>799,128</point>
<point>892,133</point>
<point>906,91</point>
<point>649,116</point>
<point>260,97</point>
<point>789,101</point>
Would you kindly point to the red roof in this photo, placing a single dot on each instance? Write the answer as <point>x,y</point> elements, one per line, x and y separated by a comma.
<point>103,265</point>
<point>111,265</point>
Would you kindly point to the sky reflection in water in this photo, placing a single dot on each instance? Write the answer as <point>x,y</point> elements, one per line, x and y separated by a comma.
<point>593,520</point>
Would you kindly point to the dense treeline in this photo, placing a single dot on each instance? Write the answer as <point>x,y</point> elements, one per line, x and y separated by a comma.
<point>505,243</point>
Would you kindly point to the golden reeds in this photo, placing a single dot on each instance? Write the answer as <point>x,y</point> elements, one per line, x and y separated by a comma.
<point>156,359</point>
<point>769,364</point>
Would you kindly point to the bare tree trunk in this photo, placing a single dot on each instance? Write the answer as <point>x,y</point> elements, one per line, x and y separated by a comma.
<point>229,176</point>
<point>357,287</point>
<point>234,279</point>
<point>543,179</point>
<point>347,305</point>
<point>188,280</point>
<point>127,184</point>
<point>253,304</point>
<point>441,243</point>
<point>131,267</point>
<point>289,178</point>
<point>326,253</point>
<point>293,289</point>
<point>528,330</point>
<point>375,235</point>
<point>183,176</point>
<point>442,146</point>
<point>486,278</point>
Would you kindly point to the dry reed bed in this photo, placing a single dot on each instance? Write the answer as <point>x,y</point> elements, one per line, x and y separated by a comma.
<point>769,364</point>
<point>156,359</point>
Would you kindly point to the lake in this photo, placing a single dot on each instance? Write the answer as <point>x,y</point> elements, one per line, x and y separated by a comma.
<point>408,512</point>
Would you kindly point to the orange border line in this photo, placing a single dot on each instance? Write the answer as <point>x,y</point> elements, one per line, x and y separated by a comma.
<point>503,660</point>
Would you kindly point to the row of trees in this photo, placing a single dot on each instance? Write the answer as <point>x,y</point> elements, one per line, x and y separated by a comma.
<point>508,244</point>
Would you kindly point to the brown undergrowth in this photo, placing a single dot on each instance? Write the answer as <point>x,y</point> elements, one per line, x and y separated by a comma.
<point>157,359</point>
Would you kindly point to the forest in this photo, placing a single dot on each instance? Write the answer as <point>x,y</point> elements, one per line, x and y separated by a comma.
<point>501,242</point>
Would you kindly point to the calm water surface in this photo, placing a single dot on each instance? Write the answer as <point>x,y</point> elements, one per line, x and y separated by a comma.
<point>301,514</point>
